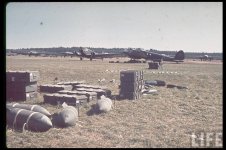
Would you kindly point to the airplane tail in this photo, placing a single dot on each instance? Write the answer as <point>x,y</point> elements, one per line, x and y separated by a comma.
<point>179,55</point>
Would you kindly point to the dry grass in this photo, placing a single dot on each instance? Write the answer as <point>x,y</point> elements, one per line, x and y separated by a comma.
<point>163,120</point>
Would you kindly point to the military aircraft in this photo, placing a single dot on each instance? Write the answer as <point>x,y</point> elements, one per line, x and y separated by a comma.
<point>135,53</point>
<point>11,53</point>
<point>29,53</point>
<point>63,54</point>
<point>87,53</point>
<point>16,52</point>
<point>45,53</point>
<point>34,53</point>
<point>147,55</point>
<point>71,54</point>
<point>205,58</point>
<point>179,57</point>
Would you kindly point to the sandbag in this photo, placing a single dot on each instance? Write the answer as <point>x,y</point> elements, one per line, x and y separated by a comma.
<point>104,104</point>
<point>66,117</point>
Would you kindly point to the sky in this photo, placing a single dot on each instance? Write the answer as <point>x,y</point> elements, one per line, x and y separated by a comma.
<point>190,26</point>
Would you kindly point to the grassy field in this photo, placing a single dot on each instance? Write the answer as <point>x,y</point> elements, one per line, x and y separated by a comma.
<point>164,120</point>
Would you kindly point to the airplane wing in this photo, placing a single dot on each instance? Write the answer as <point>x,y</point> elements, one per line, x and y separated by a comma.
<point>87,53</point>
<point>107,55</point>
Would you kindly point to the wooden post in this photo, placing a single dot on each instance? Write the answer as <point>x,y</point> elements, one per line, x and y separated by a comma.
<point>77,102</point>
<point>114,101</point>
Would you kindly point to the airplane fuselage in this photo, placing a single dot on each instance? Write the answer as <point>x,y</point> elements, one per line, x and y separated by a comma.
<point>136,54</point>
<point>179,57</point>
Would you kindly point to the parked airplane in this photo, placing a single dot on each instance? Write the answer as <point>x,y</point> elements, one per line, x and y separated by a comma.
<point>34,53</point>
<point>10,53</point>
<point>205,58</point>
<point>29,53</point>
<point>68,54</point>
<point>19,52</point>
<point>142,54</point>
<point>44,53</point>
<point>63,54</point>
<point>87,53</point>
<point>135,53</point>
<point>179,57</point>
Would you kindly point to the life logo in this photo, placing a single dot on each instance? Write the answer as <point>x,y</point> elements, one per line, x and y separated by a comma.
<point>207,139</point>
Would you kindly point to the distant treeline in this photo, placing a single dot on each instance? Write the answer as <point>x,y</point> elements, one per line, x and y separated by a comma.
<point>189,55</point>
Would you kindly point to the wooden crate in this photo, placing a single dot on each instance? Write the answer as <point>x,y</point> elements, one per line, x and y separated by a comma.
<point>22,87</point>
<point>20,96</point>
<point>50,88</point>
<point>90,95</point>
<point>153,65</point>
<point>57,98</point>
<point>22,76</point>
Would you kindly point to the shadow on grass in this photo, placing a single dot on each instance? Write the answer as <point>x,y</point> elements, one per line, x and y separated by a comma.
<point>93,111</point>
<point>81,60</point>
<point>116,97</point>
<point>40,103</point>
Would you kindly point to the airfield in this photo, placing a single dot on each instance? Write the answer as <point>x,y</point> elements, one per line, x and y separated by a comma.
<point>164,120</point>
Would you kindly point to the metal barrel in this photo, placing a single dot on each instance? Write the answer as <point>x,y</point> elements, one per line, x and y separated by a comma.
<point>35,108</point>
<point>22,119</point>
<point>66,117</point>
